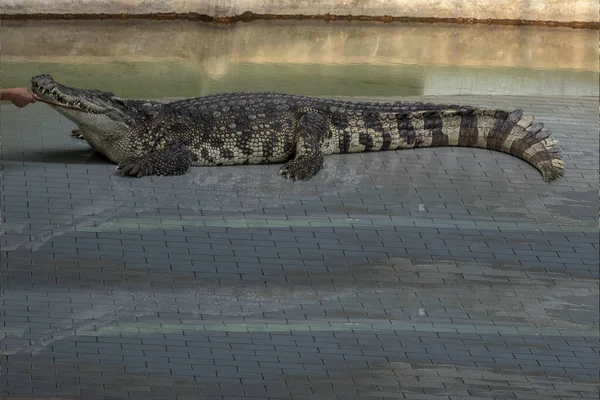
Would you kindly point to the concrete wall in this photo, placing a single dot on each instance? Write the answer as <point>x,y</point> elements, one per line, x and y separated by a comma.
<point>309,42</point>
<point>542,10</point>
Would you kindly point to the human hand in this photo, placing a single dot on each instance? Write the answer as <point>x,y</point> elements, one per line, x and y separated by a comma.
<point>20,97</point>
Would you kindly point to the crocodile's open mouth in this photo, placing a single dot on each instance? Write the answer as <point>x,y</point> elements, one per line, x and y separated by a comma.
<point>46,88</point>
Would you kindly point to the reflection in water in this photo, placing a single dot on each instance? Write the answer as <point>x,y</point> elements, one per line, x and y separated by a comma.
<point>183,58</point>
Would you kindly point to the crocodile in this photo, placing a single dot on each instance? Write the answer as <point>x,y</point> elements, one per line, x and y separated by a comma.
<point>150,137</point>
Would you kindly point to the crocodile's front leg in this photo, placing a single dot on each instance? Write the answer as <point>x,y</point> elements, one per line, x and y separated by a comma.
<point>76,133</point>
<point>174,159</point>
<point>308,159</point>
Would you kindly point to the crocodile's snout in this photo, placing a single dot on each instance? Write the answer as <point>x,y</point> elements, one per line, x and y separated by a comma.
<point>42,77</point>
<point>43,81</point>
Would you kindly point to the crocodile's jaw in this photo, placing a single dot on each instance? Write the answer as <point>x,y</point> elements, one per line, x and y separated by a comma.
<point>86,107</point>
<point>102,133</point>
<point>99,124</point>
<point>102,118</point>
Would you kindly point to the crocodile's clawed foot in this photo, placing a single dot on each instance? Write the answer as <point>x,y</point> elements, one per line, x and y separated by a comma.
<point>302,167</point>
<point>76,133</point>
<point>174,159</point>
<point>137,167</point>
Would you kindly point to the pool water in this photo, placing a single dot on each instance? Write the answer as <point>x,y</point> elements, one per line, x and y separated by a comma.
<point>156,59</point>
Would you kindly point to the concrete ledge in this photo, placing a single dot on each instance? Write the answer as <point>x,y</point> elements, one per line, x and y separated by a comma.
<point>580,11</point>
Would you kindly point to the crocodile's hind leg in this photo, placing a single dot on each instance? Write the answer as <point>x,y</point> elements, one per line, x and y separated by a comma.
<point>308,159</point>
<point>174,159</point>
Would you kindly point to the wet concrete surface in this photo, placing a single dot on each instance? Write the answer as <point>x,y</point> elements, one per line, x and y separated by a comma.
<point>440,273</point>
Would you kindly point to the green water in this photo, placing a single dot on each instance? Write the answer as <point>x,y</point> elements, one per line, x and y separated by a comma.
<point>157,59</point>
<point>156,80</point>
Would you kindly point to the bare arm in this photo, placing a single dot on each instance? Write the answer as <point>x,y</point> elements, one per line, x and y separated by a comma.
<point>20,97</point>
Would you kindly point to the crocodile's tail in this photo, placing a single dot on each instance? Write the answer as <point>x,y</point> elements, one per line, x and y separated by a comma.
<point>505,131</point>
